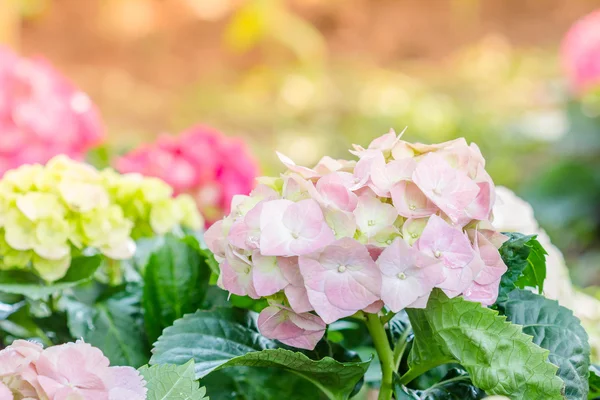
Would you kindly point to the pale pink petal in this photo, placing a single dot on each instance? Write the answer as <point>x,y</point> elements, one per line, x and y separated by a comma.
<point>292,229</point>
<point>374,308</point>
<point>295,292</point>
<point>125,383</point>
<point>267,277</point>
<point>485,294</point>
<point>410,201</point>
<point>372,215</point>
<point>445,242</point>
<point>341,279</point>
<point>412,229</point>
<point>297,330</point>
<point>304,172</point>
<point>5,393</point>
<point>450,189</point>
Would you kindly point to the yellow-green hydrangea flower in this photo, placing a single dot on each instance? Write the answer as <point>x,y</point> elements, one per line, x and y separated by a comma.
<point>48,213</point>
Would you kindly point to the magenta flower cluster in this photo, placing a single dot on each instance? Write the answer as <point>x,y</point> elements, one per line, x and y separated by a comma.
<point>42,114</point>
<point>74,371</point>
<point>581,53</point>
<point>201,162</point>
<point>326,242</point>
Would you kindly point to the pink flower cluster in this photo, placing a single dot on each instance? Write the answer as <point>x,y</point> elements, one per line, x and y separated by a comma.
<point>201,162</point>
<point>74,371</point>
<point>41,114</point>
<point>323,243</point>
<point>581,53</point>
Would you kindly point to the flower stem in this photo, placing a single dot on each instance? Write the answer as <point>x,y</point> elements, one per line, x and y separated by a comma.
<point>385,354</point>
<point>114,272</point>
<point>420,369</point>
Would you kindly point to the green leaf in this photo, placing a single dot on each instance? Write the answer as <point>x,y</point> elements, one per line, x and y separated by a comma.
<point>594,382</point>
<point>114,326</point>
<point>498,356</point>
<point>534,273</point>
<point>172,382</point>
<point>525,259</point>
<point>335,379</point>
<point>555,328</point>
<point>28,284</point>
<point>196,241</point>
<point>175,284</point>
<point>211,338</point>
<point>228,337</point>
<point>455,385</point>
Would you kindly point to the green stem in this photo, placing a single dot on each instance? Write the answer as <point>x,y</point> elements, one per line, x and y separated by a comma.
<point>400,347</point>
<point>420,369</point>
<point>114,272</point>
<point>385,355</point>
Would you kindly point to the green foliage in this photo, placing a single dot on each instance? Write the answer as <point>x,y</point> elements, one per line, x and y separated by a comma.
<point>554,328</point>
<point>113,325</point>
<point>594,382</point>
<point>175,283</point>
<point>228,337</point>
<point>498,356</point>
<point>28,284</point>
<point>172,382</point>
<point>455,385</point>
<point>525,259</point>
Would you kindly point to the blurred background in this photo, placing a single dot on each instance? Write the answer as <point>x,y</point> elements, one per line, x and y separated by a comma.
<point>310,77</point>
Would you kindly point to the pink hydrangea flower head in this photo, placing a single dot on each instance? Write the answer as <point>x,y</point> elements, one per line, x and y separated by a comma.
<point>326,242</point>
<point>297,330</point>
<point>68,371</point>
<point>200,161</point>
<point>580,53</point>
<point>42,114</point>
<point>341,279</point>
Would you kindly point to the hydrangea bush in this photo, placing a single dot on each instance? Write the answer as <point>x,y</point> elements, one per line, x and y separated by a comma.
<point>42,114</point>
<point>49,214</point>
<point>347,236</point>
<point>201,162</point>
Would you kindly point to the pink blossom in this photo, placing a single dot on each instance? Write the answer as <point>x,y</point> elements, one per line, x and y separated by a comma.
<point>341,279</point>
<point>295,292</point>
<point>293,229</point>
<point>410,201</point>
<point>580,53</point>
<point>451,246</point>
<point>42,114</point>
<point>236,274</point>
<point>267,276</point>
<point>200,161</point>
<point>448,188</point>
<point>69,371</point>
<point>372,215</point>
<point>298,330</point>
<point>408,274</point>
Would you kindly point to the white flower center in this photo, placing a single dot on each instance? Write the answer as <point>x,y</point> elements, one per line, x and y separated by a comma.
<point>295,235</point>
<point>412,207</point>
<point>437,254</point>
<point>389,241</point>
<point>342,268</point>
<point>437,191</point>
<point>401,276</point>
<point>371,222</point>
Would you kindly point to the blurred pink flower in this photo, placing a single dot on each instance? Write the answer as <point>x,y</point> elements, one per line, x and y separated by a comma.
<point>42,114</point>
<point>581,53</point>
<point>202,162</point>
<point>69,371</point>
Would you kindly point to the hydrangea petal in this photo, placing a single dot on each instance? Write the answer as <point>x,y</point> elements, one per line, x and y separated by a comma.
<point>298,330</point>
<point>267,276</point>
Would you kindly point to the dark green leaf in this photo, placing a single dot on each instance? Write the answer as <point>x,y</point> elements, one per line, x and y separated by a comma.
<point>114,326</point>
<point>498,356</point>
<point>526,262</point>
<point>335,379</point>
<point>196,241</point>
<point>555,328</point>
<point>175,283</point>
<point>26,283</point>
<point>211,338</point>
<point>172,382</point>
<point>229,337</point>
<point>594,381</point>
